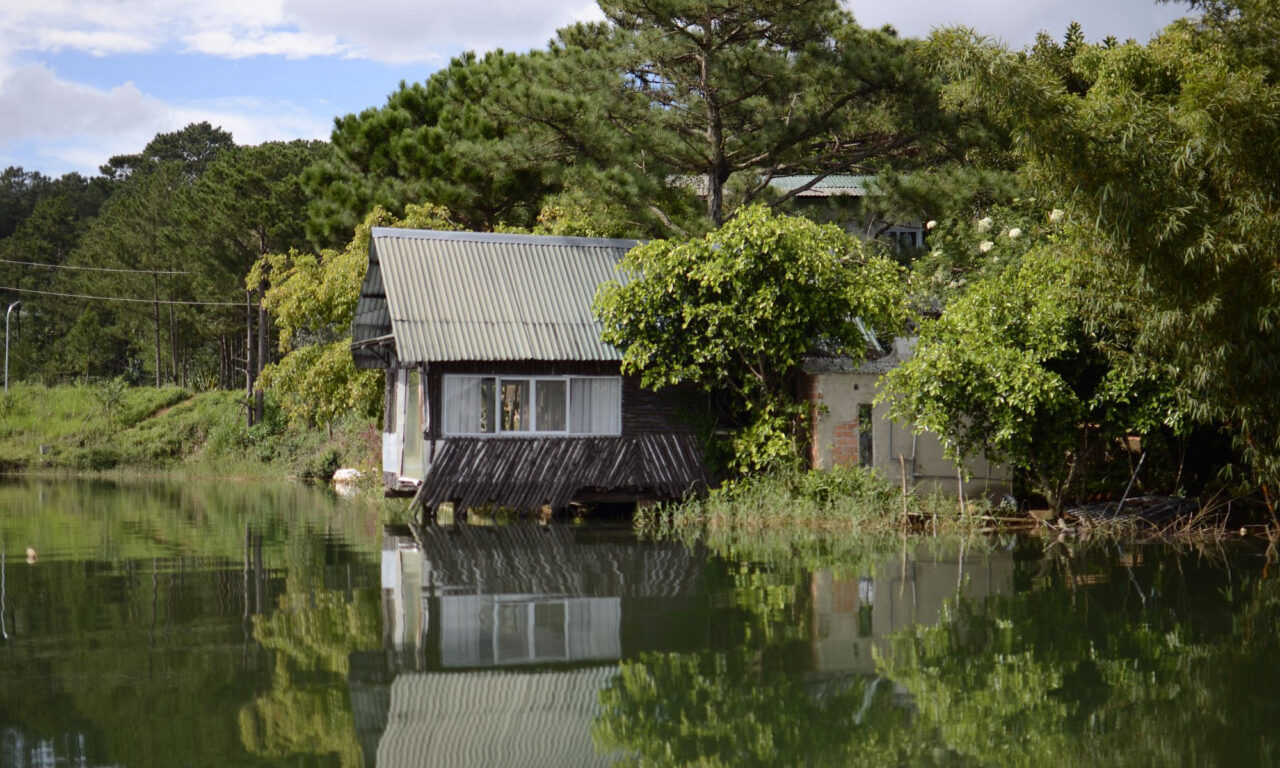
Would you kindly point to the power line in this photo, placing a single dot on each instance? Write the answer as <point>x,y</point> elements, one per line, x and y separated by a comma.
<point>96,269</point>
<point>121,298</point>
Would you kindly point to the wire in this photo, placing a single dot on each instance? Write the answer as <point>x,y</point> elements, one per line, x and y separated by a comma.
<point>97,269</point>
<point>121,298</point>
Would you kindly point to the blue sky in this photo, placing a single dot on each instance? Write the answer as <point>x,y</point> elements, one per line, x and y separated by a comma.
<point>81,80</point>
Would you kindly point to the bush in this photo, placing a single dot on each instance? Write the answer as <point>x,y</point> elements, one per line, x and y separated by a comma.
<point>322,465</point>
<point>95,459</point>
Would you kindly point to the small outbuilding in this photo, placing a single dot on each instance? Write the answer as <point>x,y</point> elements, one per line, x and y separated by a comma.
<point>499,391</point>
<point>849,428</point>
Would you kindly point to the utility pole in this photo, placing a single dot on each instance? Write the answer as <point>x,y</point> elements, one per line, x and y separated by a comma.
<point>6,344</point>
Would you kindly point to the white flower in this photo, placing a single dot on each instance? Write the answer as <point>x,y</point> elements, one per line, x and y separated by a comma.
<point>1015,233</point>
<point>985,246</point>
<point>930,224</point>
<point>984,224</point>
<point>1056,215</point>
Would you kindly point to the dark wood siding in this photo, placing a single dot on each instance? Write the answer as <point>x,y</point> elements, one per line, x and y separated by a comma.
<point>526,473</point>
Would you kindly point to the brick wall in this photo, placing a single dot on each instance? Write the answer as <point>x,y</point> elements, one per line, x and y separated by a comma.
<point>845,446</point>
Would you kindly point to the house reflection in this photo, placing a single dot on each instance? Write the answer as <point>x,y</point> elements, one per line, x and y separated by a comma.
<point>498,640</point>
<point>852,616</point>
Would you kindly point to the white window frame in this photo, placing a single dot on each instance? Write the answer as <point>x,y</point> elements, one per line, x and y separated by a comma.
<point>533,380</point>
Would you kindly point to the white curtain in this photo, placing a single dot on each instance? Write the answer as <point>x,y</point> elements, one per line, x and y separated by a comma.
<point>466,411</point>
<point>595,406</point>
<point>551,404</point>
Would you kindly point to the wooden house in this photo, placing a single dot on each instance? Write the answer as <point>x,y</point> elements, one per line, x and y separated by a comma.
<point>499,391</point>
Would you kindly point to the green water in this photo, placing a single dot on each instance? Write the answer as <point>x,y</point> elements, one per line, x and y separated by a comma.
<point>252,624</point>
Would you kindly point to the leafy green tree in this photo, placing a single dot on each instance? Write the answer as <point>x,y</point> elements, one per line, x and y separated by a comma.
<point>192,147</point>
<point>714,91</point>
<point>1168,151</point>
<point>312,299</point>
<point>244,206</point>
<point>1014,369</point>
<point>737,310</point>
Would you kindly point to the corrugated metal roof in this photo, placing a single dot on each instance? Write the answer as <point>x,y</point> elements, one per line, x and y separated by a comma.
<point>481,296</point>
<point>835,184</point>
<point>494,719</point>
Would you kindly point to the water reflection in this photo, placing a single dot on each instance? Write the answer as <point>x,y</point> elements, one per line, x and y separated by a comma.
<point>500,639</point>
<point>142,635</point>
<point>264,625</point>
<point>532,645</point>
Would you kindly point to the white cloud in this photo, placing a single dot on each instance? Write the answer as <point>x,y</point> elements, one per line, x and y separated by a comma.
<point>396,31</point>
<point>34,102</point>
<point>291,45</point>
<point>69,126</point>
<point>411,30</point>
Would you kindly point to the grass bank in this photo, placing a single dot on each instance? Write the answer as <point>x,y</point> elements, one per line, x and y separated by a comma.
<point>108,427</point>
<point>830,512</point>
<point>847,500</point>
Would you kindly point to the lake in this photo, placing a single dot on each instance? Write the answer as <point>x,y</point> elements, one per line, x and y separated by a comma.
<point>220,624</point>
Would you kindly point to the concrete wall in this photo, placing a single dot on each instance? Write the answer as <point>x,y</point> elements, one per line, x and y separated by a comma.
<point>834,439</point>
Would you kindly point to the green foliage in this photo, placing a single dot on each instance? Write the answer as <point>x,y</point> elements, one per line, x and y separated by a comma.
<point>1015,369</point>
<point>110,395</point>
<point>737,310</point>
<point>438,142</point>
<point>1166,151</point>
<point>172,429</point>
<point>312,299</point>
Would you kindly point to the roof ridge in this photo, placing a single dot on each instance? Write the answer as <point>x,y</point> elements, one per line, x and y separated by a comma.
<point>501,237</point>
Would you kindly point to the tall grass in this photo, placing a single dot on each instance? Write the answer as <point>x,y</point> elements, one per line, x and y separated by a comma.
<point>844,499</point>
<point>144,429</point>
<point>841,517</point>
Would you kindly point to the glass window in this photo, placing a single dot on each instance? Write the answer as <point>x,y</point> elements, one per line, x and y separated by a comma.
<point>468,405</point>
<point>595,406</point>
<point>864,435</point>
<point>515,405</point>
<point>550,394</point>
<point>488,404</point>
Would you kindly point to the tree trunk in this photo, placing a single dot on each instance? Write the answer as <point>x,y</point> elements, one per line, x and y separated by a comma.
<point>155,298</point>
<point>262,357</point>
<point>173,344</point>
<point>248,356</point>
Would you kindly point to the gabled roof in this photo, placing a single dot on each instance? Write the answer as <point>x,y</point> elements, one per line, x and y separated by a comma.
<point>450,296</point>
<point>831,186</point>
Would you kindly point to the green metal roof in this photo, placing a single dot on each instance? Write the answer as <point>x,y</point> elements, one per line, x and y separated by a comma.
<point>831,186</point>
<point>447,296</point>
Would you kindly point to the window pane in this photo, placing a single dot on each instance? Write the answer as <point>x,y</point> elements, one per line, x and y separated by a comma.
<point>468,405</point>
<point>549,640</point>
<point>595,406</point>
<point>515,405</point>
<point>551,405</point>
<point>864,435</point>
<point>487,422</point>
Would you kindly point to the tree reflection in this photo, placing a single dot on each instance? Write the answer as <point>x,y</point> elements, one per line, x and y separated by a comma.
<point>312,633</point>
<point>1104,663</point>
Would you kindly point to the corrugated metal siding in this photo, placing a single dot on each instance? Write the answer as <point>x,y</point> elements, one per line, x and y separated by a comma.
<point>468,296</point>
<point>494,719</point>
